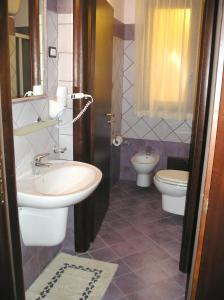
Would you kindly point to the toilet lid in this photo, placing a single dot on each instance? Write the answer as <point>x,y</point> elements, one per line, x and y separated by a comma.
<point>173,176</point>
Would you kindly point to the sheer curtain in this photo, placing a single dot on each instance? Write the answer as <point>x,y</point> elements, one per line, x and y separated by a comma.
<point>167,37</point>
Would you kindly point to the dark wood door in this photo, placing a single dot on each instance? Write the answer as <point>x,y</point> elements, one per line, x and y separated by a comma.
<point>102,88</point>
<point>199,131</point>
<point>209,280</point>
<point>11,278</point>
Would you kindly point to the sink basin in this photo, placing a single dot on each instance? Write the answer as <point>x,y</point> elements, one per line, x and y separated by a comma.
<point>44,199</point>
<point>62,184</point>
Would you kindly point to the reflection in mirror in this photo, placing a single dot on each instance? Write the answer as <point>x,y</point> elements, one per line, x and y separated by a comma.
<point>26,47</point>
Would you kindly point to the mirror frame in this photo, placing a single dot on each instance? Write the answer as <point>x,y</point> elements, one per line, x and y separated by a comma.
<point>35,49</point>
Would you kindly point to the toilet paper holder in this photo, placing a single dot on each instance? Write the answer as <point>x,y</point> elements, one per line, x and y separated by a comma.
<point>117,141</point>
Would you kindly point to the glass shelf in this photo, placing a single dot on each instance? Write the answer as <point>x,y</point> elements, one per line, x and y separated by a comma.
<point>31,128</point>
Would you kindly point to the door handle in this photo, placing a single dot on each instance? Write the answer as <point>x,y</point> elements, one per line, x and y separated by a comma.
<point>109,115</point>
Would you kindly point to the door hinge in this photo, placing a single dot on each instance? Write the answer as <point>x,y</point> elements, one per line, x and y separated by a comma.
<point>2,198</point>
<point>206,205</point>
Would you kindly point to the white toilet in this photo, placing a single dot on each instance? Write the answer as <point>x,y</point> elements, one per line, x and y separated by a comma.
<point>144,163</point>
<point>173,186</point>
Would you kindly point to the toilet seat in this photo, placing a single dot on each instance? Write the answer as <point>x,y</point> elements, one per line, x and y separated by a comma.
<point>173,177</point>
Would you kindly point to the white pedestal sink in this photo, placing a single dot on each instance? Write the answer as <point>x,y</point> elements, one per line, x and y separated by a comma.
<point>44,199</point>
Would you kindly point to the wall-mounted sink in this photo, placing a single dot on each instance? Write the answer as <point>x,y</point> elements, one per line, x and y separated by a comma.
<point>44,199</point>
<point>62,184</point>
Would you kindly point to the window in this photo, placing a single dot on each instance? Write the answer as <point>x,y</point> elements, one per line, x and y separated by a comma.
<point>169,54</point>
<point>167,47</point>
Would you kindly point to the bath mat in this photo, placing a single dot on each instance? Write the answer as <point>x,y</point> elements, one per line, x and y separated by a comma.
<point>70,277</point>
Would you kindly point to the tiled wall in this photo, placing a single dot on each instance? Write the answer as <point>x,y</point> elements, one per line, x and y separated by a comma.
<point>52,41</point>
<point>43,141</point>
<point>36,258</point>
<point>116,104</point>
<point>117,83</point>
<point>65,78</point>
<point>65,70</point>
<point>59,27</point>
<point>26,147</point>
<point>165,137</point>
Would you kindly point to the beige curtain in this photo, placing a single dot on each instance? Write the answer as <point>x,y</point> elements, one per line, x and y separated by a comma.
<point>167,36</point>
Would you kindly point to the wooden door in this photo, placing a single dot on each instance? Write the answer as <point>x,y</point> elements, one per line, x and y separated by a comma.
<point>208,267</point>
<point>11,278</point>
<point>199,131</point>
<point>209,280</point>
<point>92,74</point>
<point>102,89</point>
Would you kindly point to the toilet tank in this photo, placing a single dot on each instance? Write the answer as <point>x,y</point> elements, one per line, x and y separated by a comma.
<point>178,163</point>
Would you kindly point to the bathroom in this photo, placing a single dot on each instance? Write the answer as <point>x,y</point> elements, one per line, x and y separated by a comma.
<point>121,222</point>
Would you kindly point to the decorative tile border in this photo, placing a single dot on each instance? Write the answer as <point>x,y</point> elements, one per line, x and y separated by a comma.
<point>65,6</point>
<point>164,149</point>
<point>124,31</point>
<point>52,5</point>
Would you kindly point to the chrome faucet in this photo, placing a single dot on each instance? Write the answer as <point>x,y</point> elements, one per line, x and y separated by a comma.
<point>148,151</point>
<point>37,162</point>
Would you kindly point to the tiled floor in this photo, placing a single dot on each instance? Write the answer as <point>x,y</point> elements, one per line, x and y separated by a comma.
<point>145,242</point>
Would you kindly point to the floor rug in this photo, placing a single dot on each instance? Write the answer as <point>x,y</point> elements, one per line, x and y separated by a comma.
<point>70,277</point>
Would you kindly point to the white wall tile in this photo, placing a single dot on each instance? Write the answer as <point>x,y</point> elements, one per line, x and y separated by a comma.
<point>65,18</point>
<point>66,117</point>
<point>26,147</point>
<point>65,78</point>
<point>68,84</point>
<point>65,38</point>
<point>65,67</point>
<point>130,118</point>
<point>66,141</point>
<point>141,128</point>
<point>162,130</point>
<point>151,136</point>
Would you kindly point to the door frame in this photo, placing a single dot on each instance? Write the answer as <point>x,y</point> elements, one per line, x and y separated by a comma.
<point>11,284</point>
<point>208,265</point>
<point>199,131</point>
<point>12,287</point>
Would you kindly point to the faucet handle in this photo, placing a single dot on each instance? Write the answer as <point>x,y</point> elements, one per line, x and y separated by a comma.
<point>59,150</point>
<point>38,157</point>
<point>148,150</point>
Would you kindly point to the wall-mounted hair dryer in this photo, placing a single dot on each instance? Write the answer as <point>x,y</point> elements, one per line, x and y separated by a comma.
<point>56,108</point>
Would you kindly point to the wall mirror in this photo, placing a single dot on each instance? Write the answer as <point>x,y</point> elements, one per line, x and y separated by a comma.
<point>26,22</point>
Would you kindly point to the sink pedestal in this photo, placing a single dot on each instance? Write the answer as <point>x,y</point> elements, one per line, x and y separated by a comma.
<point>43,227</point>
